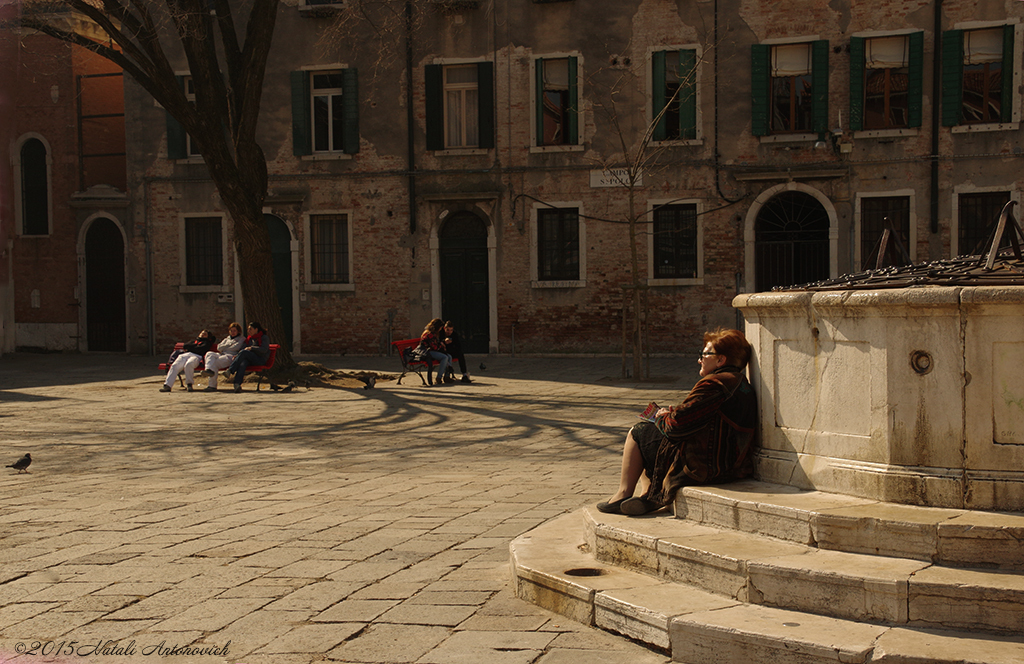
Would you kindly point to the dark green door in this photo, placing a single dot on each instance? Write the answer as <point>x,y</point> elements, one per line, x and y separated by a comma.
<point>281,251</point>
<point>464,285</point>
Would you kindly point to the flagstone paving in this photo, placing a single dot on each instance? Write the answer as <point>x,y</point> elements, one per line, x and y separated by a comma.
<point>327,524</point>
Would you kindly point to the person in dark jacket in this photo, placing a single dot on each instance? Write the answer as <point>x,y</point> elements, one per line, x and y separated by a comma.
<point>453,344</point>
<point>189,359</point>
<point>707,439</point>
<point>255,351</point>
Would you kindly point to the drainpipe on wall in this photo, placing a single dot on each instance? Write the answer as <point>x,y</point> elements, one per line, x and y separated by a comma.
<point>151,318</point>
<point>936,88</point>
<point>410,118</point>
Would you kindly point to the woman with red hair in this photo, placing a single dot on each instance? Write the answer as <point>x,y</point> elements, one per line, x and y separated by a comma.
<point>707,439</point>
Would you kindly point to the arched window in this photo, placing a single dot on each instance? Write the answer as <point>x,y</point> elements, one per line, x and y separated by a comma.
<point>35,189</point>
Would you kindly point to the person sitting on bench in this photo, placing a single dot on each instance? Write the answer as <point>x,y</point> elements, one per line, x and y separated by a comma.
<point>189,359</point>
<point>227,348</point>
<point>255,352</point>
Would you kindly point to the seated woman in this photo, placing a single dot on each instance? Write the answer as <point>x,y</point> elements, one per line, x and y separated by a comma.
<point>256,350</point>
<point>707,439</point>
<point>188,361</point>
<point>227,348</point>
<point>432,349</point>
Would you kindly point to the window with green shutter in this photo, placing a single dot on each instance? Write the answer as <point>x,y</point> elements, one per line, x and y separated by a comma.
<point>674,94</point>
<point>459,105</point>
<point>977,76</point>
<point>557,103</point>
<point>325,112</point>
<point>789,91</point>
<point>886,76</point>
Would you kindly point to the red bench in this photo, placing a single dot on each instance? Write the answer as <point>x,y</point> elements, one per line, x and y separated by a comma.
<point>261,369</point>
<point>405,348</point>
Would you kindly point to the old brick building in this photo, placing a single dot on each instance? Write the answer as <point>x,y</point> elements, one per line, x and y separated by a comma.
<point>466,175</point>
<point>62,198</point>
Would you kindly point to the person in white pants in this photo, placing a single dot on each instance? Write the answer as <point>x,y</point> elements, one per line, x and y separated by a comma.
<point>220,359</point>
<point>188,361</point>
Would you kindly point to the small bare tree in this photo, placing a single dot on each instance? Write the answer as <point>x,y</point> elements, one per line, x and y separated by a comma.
<point>638,154</point>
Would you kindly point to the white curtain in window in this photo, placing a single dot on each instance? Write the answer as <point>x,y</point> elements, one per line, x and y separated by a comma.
<point>556,74</point>
<point>887,53</point>
<point>981,46</point>
<point>791,60</point>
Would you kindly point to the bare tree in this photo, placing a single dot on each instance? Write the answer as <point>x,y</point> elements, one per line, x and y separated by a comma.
<point>637,154</point>
<point>227,65</point>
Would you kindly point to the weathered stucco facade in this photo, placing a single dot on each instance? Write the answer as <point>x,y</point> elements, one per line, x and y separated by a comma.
<point>437,197</point>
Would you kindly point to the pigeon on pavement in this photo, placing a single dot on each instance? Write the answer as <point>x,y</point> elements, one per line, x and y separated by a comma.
<point>22,464</point>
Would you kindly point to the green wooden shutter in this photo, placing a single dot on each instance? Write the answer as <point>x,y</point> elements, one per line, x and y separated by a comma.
<point>658,93</point>
<point>760,79</point>
<point>574,103</point>
<point>819,85</point>
<point>952,77</point>
<point>302,135</point>
<point>915,80</point>
<point>434,108</point>
<point>350,110</point>
<point>1006,100</point>
<point>688,94</point>
<point>538,102</point>
<point>176,138</point>
<point>485,103</point>
<point>856,83</point>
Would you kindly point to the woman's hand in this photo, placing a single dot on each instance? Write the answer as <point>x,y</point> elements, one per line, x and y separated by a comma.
<point>662,411</point>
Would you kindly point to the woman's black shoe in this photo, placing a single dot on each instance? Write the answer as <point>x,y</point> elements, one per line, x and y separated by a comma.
<point>611,507</point>
<point>638,507</point>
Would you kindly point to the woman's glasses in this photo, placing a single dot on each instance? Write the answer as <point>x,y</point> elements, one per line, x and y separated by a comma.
<point>708,353</point>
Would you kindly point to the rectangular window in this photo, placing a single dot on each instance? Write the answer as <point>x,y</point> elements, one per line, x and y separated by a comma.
<point>556,106</point>
<point>886,79</point>
<point>328,120</point>
<point>558,244</point>
<point>977,76</point>
<point>977,218</point>
<point>461,99</point>
<point>789,88</point>
<point>204,251</point>
<point>983,75</point>
<point>329,251</point>
<point>675,242</point>
<point>674,91</point>
<point>325,112</point>
<point>876,215</point>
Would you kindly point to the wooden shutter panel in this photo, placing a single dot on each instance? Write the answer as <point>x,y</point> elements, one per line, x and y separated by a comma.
<point>952,77</point>
<point>574,103</point>
<point>688,94</point>
<point>1006,100</point>
<point>176,140</point>
<point>434,108</point>
<point>485,103</point>
<point>915,82</point>
<point>658,93</point>
<point>819,85</point>
<point>302,140</point>
<point>350,110</point>
<point>760,78</point>
<point>856,83</point>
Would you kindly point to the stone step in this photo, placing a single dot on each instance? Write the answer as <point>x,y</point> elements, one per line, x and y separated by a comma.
<point>553,567</point>
<point>762,570</point>
<point>967,538</point>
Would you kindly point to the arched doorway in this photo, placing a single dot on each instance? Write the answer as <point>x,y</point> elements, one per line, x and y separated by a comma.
<point>104,287</point>
<point>791,237</point>
<point>462,255</point>
<point>281,254</point>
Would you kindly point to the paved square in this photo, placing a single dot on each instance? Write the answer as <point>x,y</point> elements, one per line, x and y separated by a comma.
<point>326,524</point>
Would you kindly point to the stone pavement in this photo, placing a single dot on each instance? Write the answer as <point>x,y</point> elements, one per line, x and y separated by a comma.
<point>342,525</point>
